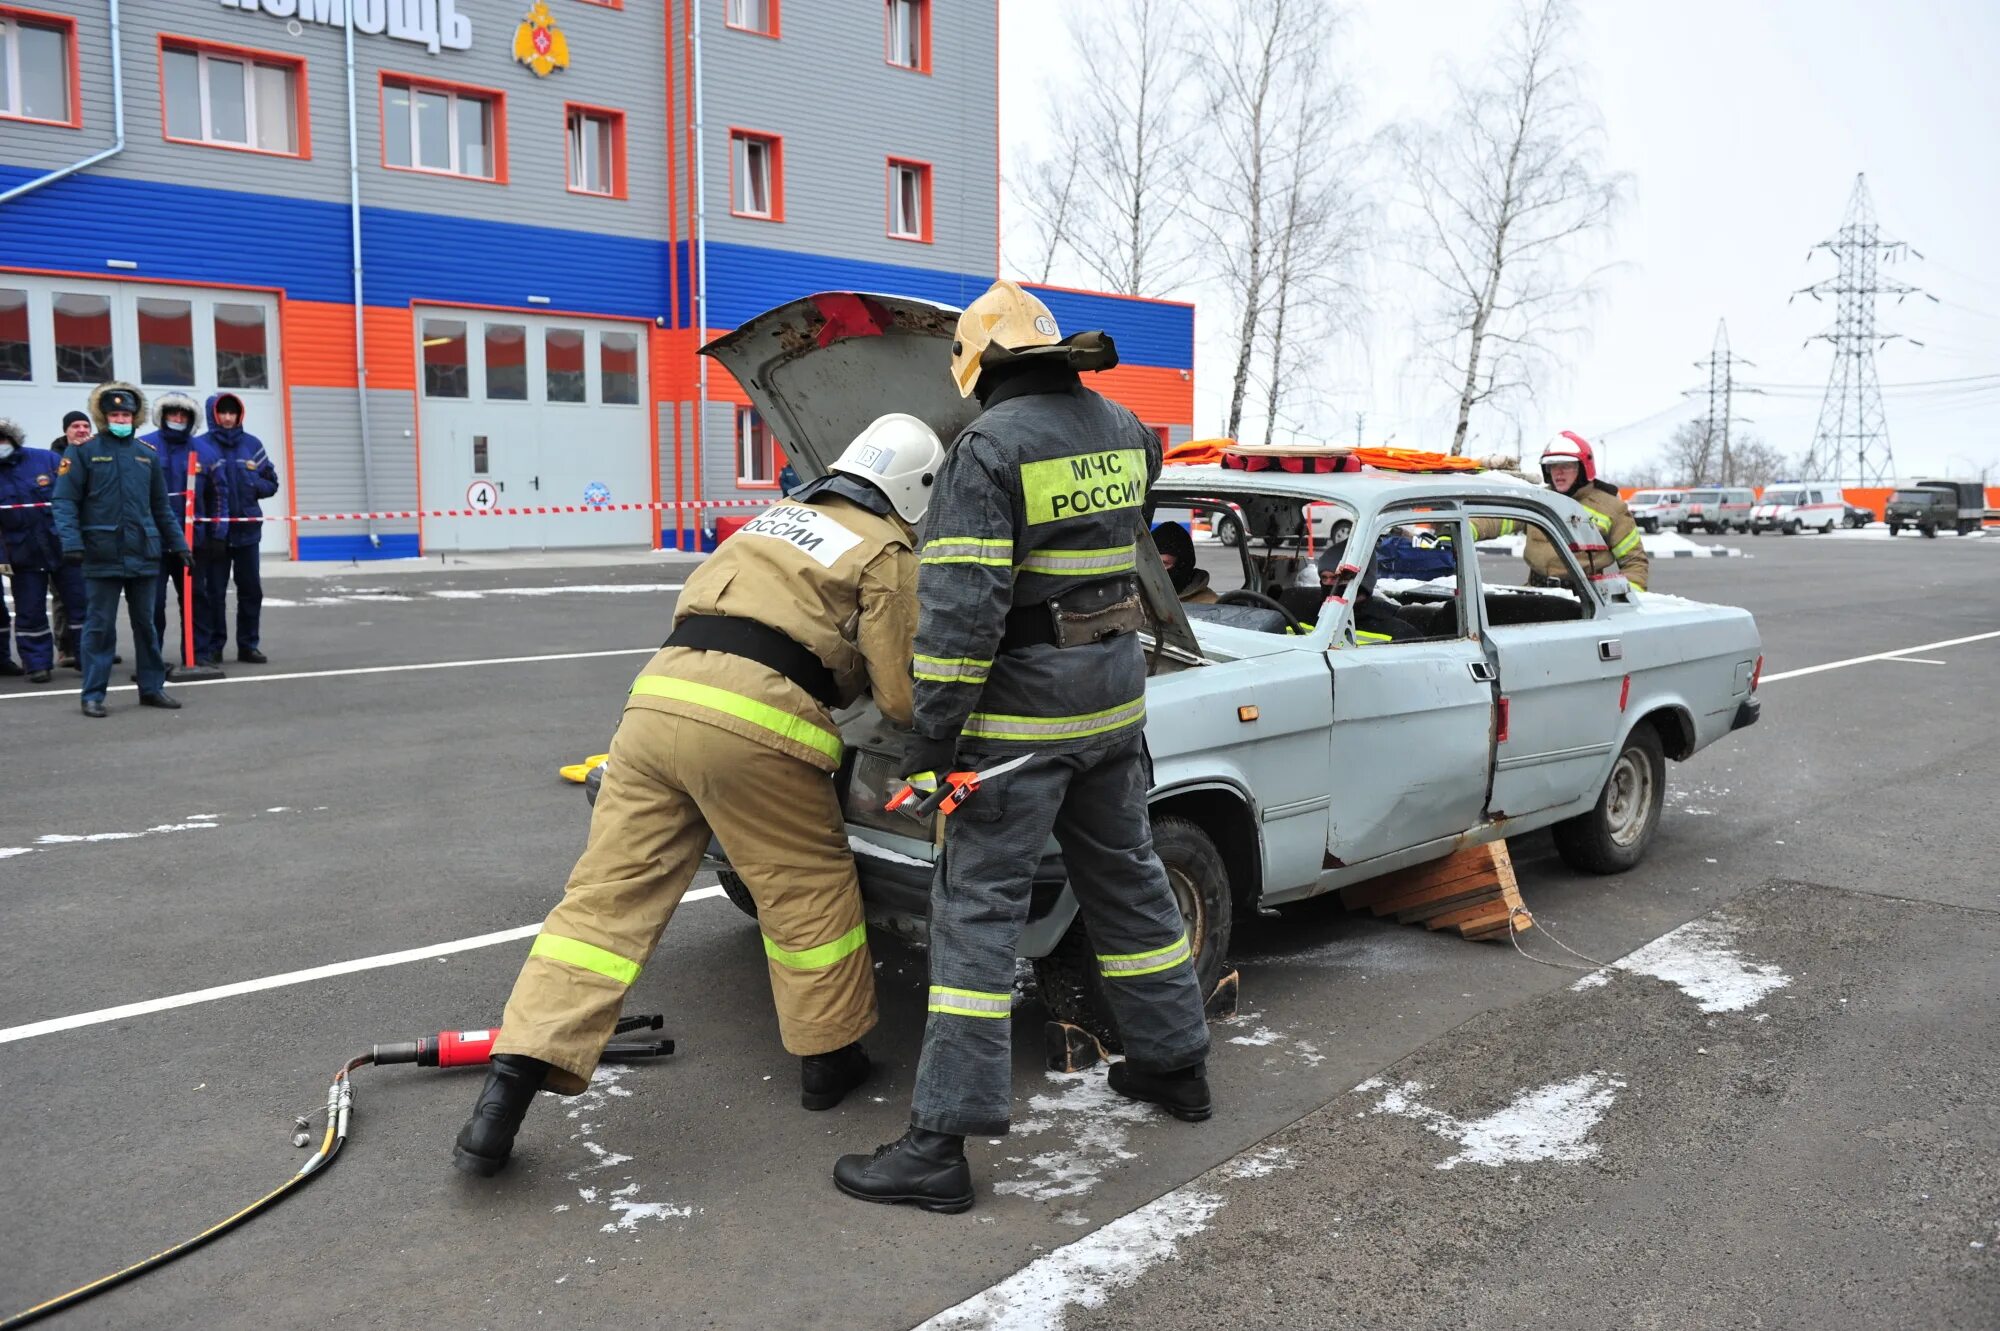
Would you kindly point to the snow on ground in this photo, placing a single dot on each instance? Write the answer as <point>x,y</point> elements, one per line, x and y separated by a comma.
<point>1550,1122</point>
<point>626,1209</point>
<point>1701,959</point>
<point>1660,545</point>
<point>363,595</point>
<point>1085,1273</point>
<point>1094,1124</point>
<point>1880,532</point>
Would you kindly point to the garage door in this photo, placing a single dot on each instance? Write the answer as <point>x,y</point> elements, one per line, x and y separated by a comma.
<point>523,410</point>
<point>60,337</point>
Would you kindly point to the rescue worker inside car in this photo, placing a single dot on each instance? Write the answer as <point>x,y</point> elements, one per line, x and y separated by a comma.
<point>1027,647</point>
<point>1570,468</point>
<point>728,730</point>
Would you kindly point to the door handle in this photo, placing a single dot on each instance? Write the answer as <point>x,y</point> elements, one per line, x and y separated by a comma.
<point>538,483</point>
<point>1482,671</point>
<point>1611,649</point>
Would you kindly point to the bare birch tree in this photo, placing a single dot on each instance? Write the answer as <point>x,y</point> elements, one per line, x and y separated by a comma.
<point>1271,214</point>
<point>1503,190</point>
<point>1110,194</point>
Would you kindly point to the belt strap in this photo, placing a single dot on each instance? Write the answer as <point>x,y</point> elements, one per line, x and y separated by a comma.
<point>759,642</point>
<point>1035,625</point>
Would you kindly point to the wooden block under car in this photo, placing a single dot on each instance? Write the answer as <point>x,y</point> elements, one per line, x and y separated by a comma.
<point>1473,891</point>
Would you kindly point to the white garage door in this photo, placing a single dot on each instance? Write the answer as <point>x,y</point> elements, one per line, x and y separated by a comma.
<point>60,337</point>
<point>533,410</point>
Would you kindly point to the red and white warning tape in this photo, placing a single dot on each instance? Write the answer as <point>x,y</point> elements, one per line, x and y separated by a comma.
<point>535,510</point>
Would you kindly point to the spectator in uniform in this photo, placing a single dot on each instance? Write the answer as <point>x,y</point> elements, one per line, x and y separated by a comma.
<point>76,429</point>
<point>32,552</point>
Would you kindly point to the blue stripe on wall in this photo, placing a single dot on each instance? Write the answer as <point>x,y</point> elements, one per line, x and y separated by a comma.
<point>395,545</point>
<point>193,233</point>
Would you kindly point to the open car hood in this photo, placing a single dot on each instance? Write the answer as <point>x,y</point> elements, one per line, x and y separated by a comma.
<point>819,369</point>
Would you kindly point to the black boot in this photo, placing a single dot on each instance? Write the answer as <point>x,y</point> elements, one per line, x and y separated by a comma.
<point>927,1169</point>
<point>825,1079</point>
<point>1182,1092</point>
<point>488,1136</point>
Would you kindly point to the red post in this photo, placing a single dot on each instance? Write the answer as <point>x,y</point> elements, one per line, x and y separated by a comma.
<point>187,571</point>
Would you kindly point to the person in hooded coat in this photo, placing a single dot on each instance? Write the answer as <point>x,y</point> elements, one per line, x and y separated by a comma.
<point>244,478</point>
<point>30,547</point>
<point>178,447</point>
<point>68,627</point>
<point>1176,549</point>
<point>112,515</point>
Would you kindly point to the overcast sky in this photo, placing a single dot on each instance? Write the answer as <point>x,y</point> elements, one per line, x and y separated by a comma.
<point>1742,124</point>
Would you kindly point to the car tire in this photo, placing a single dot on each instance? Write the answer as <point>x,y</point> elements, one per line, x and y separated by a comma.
<point>1895,529</point>
<point>1229,531</point>
<point>1967,528</point>
<point>1756,530</point>
<point>1614,835</point>
<point>737,891</point>
<point>1792,527</point>
<point>1684,528</point>
<point>1068,978</point>
<point>1930,533</point>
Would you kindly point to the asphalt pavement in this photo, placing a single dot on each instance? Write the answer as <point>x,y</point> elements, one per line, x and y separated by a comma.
<point>1817,1150</point>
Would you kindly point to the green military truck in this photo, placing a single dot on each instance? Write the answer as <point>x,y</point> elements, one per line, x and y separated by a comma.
<point>1935,506</point>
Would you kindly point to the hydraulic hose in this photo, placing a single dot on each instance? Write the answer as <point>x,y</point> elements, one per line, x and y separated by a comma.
<point>339,1107</point>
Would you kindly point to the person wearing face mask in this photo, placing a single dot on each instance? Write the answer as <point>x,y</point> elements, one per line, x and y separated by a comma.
<point>244,476</point>
<point>177,446</point>
<point>29,546</point>
<point>115,525</point>
<point>76,429</point>
<point>1176,549</point>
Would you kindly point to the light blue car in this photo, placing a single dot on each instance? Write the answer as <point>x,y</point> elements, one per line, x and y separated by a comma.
<point>1291,756</point>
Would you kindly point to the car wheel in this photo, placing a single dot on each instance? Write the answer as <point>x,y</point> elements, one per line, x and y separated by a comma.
<point>1755,530</point>
<point>1683,528</point>
<point>1650,527</point>
<point>737,891</point>
<point>1929,532</point>
<point>1613,836</point>
<point>1792,527</point>
<point>1228,531</point>
<point>1967,528</point>
<point>1895,529</point>
<point>1072,989</point>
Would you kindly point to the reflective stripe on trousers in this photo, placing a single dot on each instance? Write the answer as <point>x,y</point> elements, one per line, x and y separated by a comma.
<point>1131,965</point>
<point>780,723</point>
<point>585,956</point>
<point>1026,729</point>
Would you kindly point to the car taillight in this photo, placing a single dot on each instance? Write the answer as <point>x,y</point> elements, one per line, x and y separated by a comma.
<point>1756,672</point>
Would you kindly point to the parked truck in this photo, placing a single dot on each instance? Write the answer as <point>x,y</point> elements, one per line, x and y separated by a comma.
<point>1935,506</point>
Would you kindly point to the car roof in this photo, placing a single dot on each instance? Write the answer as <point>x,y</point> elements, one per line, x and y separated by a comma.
<point>1356,489</point>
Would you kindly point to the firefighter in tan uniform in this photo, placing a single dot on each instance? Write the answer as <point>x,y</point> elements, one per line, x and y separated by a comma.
<point>1570,468</point>
<point>729,730</point>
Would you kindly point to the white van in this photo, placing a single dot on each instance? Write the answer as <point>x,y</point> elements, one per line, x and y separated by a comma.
<point>1792,507</point>
<point>1654,509</point>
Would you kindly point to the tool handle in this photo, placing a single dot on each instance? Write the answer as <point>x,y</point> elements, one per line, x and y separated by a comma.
<point>952,790</point>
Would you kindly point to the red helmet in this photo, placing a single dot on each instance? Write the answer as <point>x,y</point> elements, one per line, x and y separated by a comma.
<point>1570,446</point>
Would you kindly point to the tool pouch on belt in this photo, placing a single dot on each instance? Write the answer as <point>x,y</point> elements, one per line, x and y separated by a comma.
<point>1097,611</point>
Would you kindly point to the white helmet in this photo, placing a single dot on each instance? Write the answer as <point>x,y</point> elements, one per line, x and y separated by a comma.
<point>898,455</point>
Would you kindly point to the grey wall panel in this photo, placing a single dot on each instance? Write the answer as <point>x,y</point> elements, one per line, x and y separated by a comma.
<point>617,59</point>
<point>1179,434</point>
<point>326,456</point>
<point>843,111</point>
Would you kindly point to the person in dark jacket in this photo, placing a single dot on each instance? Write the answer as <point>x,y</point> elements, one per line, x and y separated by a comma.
<point>112,515</point>
<point>178,447</point>
<point>1176,549</point>
<point>29,545</point>
<point>68,627</point>
<point>244,478</point>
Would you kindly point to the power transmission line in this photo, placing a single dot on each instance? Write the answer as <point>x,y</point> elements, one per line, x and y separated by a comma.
<point>1722,389</point>
<point>1853,427</point>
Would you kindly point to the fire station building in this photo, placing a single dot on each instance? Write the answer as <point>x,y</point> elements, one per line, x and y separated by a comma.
<point>453,248</point>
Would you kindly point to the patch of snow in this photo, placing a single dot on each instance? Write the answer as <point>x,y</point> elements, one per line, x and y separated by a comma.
<point>1701,959</point>
<point>1262,1164</point>
<point>1550,1122</point>
<point>1594,980</point>
<point>9,852</point>
<point>579,589</point>
<point>1263,1035</point>
<point>630,1213</point>
<point>1085,1273</point>
<point>1097,1122</point>
<point>280,808</point>
<point>860,847</point>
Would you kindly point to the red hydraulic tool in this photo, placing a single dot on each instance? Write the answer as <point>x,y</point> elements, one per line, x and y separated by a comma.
<point>954,789</point>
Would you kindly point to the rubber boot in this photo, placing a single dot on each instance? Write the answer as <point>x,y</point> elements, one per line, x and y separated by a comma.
<point>825,1079</point>
<point>488,1136</point>
<point>1182,1092</point>
<point>926,1169</point>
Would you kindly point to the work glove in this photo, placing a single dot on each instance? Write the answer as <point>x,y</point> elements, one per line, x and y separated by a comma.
<point>72,559</point>
<point>925,760</point>
<point>212,550</point>
<point>173,561</point>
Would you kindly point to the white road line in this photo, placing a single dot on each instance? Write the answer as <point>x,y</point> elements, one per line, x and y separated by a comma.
<point>1914,660</point>
<point>352,670</point>
<point>55,1024</point>
<point>1877,656</point>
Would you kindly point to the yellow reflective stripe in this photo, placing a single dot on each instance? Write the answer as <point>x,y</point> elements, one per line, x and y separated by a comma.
<point>999,553</point>
<point>1130,965</point>
<point>989,725</point>
<point>1363,635</point>
<point>1635,586</point>
<point>1077,563</point>
<point>1082,484</point>
<point>585,956</point>
<point>950,669</point>
<point>1626,546</point>
<point>818,958</point>
<point>970,1002</point>
<point>1603,520</point>
<point>782,724</point>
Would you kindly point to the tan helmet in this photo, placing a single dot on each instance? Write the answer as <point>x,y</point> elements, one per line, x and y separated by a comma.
<point>1004,316</point>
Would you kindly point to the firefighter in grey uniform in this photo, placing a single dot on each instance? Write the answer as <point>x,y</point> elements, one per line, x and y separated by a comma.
<point>1028,611</point>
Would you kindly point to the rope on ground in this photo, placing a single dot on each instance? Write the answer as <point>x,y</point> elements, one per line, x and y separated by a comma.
<point>1542,927</point>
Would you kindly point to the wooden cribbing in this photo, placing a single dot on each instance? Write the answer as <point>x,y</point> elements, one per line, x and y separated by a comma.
<point>1472,891</point>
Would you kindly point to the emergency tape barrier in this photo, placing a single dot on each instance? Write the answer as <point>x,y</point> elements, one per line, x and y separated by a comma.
<point>536,510</point>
